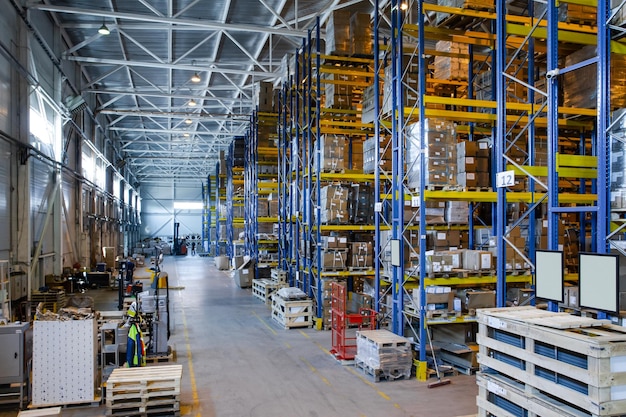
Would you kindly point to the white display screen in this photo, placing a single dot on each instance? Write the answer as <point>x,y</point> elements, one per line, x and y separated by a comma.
<point>549,275</point>
<point>598,281</point>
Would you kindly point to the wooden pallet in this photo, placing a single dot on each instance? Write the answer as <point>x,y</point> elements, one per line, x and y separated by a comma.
<point>566,356</point>
<point>264,288</point>
<point>170,356</point>
<point>378,375</point>
<point>151,390</point>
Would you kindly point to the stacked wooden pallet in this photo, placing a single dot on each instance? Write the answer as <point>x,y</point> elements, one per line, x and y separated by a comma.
<point>264,288</point>
<point>383,355</point>
<point>153,390</point>
<point>536,362</point>
<point>52,301</point>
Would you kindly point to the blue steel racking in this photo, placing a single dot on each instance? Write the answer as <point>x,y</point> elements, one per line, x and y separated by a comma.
<point>250,189</point>
<point>506,126</point>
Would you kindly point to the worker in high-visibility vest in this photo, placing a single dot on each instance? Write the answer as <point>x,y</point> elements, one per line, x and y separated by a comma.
<point>135,347</point>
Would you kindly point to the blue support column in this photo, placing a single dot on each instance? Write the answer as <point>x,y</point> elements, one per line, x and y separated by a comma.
<point>553,131</point>
<point>498,150</point>
<point>423,70</point>
<point>377,185</point>
<point>603,149</point>
<point>397,171</point>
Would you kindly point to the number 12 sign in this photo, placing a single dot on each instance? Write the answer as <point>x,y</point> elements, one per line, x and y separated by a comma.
<point>505,179</point>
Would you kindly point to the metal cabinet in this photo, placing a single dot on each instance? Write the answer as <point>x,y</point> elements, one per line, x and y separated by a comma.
<point>15,357</point>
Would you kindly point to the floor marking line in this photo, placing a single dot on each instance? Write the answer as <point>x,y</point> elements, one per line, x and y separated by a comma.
<point>371,384</point>
<point>264,323</point>
<point>312,368</point>
<point>304,334</point>
<point>192,375</point>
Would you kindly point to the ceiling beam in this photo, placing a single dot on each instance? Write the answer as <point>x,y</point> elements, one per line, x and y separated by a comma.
<point>165,65</point>
<point>205,24</point>
<point>176,132</point>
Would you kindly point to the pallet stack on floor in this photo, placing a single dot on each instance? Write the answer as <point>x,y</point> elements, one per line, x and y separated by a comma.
<point>144,391</point>
<point>540,363</point>
<point>383,355</point>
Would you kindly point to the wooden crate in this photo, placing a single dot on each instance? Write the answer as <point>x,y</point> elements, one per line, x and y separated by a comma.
<point>503,397</point>
<point>279,275</point>
<point>292,313</point>
<point>578,359</point>
<point>264,288</point>
<point>145,390</point>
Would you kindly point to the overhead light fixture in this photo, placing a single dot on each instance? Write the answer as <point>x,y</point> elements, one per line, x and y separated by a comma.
<point>188,121</point>
<point>404,6</point>
<point>104,30</point>
<point>192,102</point>
<point>195,78</point>
<point>186,135</point>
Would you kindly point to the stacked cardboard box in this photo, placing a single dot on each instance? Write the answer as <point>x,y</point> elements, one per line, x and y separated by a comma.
<point>333,201</point>
<point>580,86</point>
<point>572,13</point>
<point>410,73</point>
<point>443,240</point>
<point>326,301</point>
<point>473,164</point>
<point>477,260</point>
<point>457,212</point>
<point>435,212</point>
<point>370,158</point>
<point>362,255</point>
<point>368,102</point>
<point>337,90</point>
<point>454,66</point>
<point>332,151</point>
<point>353,154</point>
<point>438,298</point>
<point>265,96</point>
<point>361,204</point>
<point>338,33</point>
<point>272,201</point>
<point>439,154</point>
<point>518,244</point>
<point>360,34</point>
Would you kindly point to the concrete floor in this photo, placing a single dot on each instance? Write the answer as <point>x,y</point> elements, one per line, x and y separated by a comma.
<point>238,362</point>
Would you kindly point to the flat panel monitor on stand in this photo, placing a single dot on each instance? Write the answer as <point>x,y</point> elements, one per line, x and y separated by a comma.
<point>549,277</point>
<point>598,282</point>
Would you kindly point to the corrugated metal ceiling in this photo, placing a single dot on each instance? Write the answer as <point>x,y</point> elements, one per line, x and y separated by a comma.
<point>141,72</point>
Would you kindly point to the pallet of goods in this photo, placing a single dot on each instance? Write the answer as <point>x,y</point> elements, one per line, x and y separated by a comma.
<point>144,391</point>
<point>383,355</point>
<point>550,364</point>
<point>291,308</point>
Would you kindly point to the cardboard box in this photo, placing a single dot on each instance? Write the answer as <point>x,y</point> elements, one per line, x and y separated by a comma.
<point>244,275</point>
<point>476,260</point>
<point>480,299</point>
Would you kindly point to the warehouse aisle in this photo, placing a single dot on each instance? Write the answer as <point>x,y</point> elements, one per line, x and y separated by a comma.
<point>237,362</point>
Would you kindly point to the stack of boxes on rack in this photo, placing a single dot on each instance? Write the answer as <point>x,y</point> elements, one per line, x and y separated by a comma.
<point>265,97</point>
<point>473,164</point>
<point>333,202</point>
<point>348,34</point>
<point>370,158</point>
<point>332,151</point>
<point>580,86</point>
<point>439,154</point>
<point>455,64</point>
